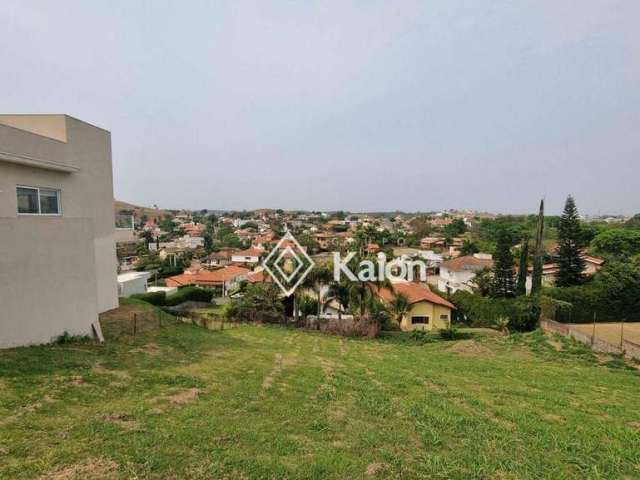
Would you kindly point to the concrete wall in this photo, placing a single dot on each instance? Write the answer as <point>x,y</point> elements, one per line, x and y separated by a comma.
<point>42,247</point>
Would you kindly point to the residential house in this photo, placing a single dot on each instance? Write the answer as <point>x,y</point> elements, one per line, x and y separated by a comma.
<point>550,271</point>
<point>428,311</point>
<point>458,273</point>
<point>251,256</point>
<point>193,229</point>
<point>220,258</point>
<point>431,242</point>
<point>57,250</point>
<point>264,240</point>
<point>226,278</point>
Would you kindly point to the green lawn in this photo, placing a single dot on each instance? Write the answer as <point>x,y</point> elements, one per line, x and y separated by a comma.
<point>268,402</point>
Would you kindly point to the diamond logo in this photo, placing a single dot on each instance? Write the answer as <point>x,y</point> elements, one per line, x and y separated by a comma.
<point>288,264</point>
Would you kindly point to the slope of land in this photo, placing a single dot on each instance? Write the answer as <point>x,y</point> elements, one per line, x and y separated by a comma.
<point>268,402</point>
<point>151,213</point>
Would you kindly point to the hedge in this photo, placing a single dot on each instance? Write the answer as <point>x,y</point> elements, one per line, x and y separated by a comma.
<point>154,298</point>
<point>186,294</point>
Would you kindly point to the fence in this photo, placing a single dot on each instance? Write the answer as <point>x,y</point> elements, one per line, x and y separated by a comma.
<point>624,347</point>
<point>206,320</point>
<point>136,323</point>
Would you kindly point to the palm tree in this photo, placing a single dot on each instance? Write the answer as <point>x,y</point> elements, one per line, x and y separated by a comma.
<point>362,294</point>
<point>339,292</point>
<point>399,306</point>
<point>317,278</point>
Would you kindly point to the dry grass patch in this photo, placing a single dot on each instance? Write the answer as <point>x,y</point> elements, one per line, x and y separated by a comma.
<point>470,348</point>
<point>90,469</point>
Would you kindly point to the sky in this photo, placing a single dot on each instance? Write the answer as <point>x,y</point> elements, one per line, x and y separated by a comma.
<point>360,106</point>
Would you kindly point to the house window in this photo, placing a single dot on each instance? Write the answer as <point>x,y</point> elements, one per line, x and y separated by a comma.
<point>444,317</point>
<point>38,201</point>
<point>419,320</point>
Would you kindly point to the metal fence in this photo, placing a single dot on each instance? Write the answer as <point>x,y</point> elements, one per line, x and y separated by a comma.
<point>623,347</point>
<point>206,320</point>
<point>137,323</point>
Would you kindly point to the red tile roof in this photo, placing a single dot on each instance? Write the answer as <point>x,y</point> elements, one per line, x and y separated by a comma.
<point>250,252</point>
<point>206,278</point>
<point>468,262</point>
<point>258,277</point>
<point>415,292</point>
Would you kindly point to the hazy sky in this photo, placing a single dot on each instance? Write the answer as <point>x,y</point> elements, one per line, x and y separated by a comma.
<point>361,105</point>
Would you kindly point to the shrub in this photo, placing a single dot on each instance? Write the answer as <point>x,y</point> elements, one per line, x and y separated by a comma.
<point>450,333</point>
<point>186,294</point>
<point>66,338</point>
<point>522,312</point>
<point>613,295</point>
<point>259,302</point>
<point>419,337</point>
<point>154,298</point>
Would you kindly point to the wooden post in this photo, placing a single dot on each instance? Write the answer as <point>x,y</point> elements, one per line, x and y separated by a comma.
<point>593,335</point>
<point>135,324</point>
<point>622,336</point>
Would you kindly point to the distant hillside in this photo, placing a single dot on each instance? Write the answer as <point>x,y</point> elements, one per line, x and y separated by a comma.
<point>151,213</point>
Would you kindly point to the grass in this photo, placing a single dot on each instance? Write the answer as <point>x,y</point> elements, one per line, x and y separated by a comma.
<point>268,402</point>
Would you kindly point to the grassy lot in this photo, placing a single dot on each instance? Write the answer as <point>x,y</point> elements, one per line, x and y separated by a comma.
<point>268,402</point>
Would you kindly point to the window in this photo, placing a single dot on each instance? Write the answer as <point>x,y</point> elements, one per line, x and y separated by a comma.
<point>444,317</point>
<point>38,201</point>
<point>419,320</point>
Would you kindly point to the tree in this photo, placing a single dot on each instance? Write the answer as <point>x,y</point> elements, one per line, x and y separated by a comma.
<point>521,285</point>
<point>536,278</point>
<point>421,226</point>
<point>633,222</point>
<point>399,306</point>
<point>469,247</point>
<point>148,238</point>
<point>339,292</point>
<point>317,278</point>
<point>617,243</point>
<point>259,302</point>
<point>570,261</point>
<point>503,275</point>
<point>208,242</point>
<point>483,282</point>
<point>456,228</point>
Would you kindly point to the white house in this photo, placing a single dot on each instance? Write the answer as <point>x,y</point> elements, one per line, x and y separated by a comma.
<point>458,273</point>
<point>131,283</point>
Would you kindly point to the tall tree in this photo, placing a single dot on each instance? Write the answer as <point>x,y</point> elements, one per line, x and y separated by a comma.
<point>521,284</point>
<point>503,274</point>
<point>570,260</point>
<point>536,277</point>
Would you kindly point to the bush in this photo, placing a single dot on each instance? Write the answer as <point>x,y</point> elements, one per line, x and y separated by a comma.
<point>613,295</point>
<point>66,338</point>
<point>260,302</point>
<point>478,311</point>
<point>189,294</point>
<point>154,298</point>
<point>419,337</point>
<point>450,333</point>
